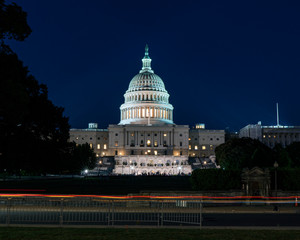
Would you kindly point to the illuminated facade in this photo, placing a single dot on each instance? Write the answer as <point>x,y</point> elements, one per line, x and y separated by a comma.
<point>272,135</point>
<point>146,141</point>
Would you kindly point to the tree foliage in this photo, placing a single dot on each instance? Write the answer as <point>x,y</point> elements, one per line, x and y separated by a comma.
<point>82,157</point>
<point>288,179</point>
<point>13,22</point>
<point>293,152</point>
<point>34,132</point>
<point>239,153</point>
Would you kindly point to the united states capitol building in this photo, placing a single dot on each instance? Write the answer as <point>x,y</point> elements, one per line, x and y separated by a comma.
<point>146,140</point>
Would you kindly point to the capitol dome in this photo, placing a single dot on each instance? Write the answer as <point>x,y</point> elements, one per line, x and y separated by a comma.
<point>146,81</point>
<point>146,100</point>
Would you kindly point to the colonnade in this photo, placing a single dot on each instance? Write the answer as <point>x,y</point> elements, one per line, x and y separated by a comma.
<point>146,97</point>
<point>145,112</point>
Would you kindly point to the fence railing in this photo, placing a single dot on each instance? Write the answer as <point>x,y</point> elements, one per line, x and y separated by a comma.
<point>115,210</point>
<point>93,211</point>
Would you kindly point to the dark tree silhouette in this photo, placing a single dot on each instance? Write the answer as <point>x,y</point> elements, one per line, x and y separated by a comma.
<point>82,157</point>
<point>13,22</point>
<point>239,153</point>
<point>33,131</point>
<point>293,151</point>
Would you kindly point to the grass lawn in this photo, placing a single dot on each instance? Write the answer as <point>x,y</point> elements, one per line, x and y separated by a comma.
<point>27,233</point>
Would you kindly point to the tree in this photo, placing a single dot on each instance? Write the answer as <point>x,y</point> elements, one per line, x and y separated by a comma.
<point>293,151</point>
<point>282,156</point>
<point>82,157</point>
<point>239,153</point>
<point>13,22</point>
<point>33,131</point>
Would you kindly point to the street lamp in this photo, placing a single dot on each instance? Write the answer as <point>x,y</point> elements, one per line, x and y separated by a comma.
<point>276,166</point>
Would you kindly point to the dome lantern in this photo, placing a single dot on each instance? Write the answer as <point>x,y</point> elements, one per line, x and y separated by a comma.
<point>146,61</point>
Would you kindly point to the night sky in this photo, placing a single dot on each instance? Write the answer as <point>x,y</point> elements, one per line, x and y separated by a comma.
<point>224,63</point>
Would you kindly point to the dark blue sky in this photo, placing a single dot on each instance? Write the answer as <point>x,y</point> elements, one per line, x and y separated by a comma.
<point>224,63</point>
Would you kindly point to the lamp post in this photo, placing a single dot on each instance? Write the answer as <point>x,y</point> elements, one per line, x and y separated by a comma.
<point>276,166</point>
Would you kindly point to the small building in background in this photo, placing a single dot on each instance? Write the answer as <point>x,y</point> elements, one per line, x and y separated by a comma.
<point>272,135</point>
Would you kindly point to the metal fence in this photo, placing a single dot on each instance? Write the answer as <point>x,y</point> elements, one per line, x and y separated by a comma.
<point>95,211</point>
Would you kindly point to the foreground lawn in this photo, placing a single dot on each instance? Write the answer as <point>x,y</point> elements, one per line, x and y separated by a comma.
<point>26,233</point>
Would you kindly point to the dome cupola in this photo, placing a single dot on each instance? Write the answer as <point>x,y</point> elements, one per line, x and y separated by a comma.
<point>146,100</point>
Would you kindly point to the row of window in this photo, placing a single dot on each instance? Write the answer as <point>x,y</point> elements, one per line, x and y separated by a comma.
<point>203,147</point>
<point>148,152</point>
<point>148,134</point>
<point>155,134</point>
<point>281,136</point>
<point>148,144</point>
<point>203,139</point>
<point>77,138</point>
<point>99,146</point>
